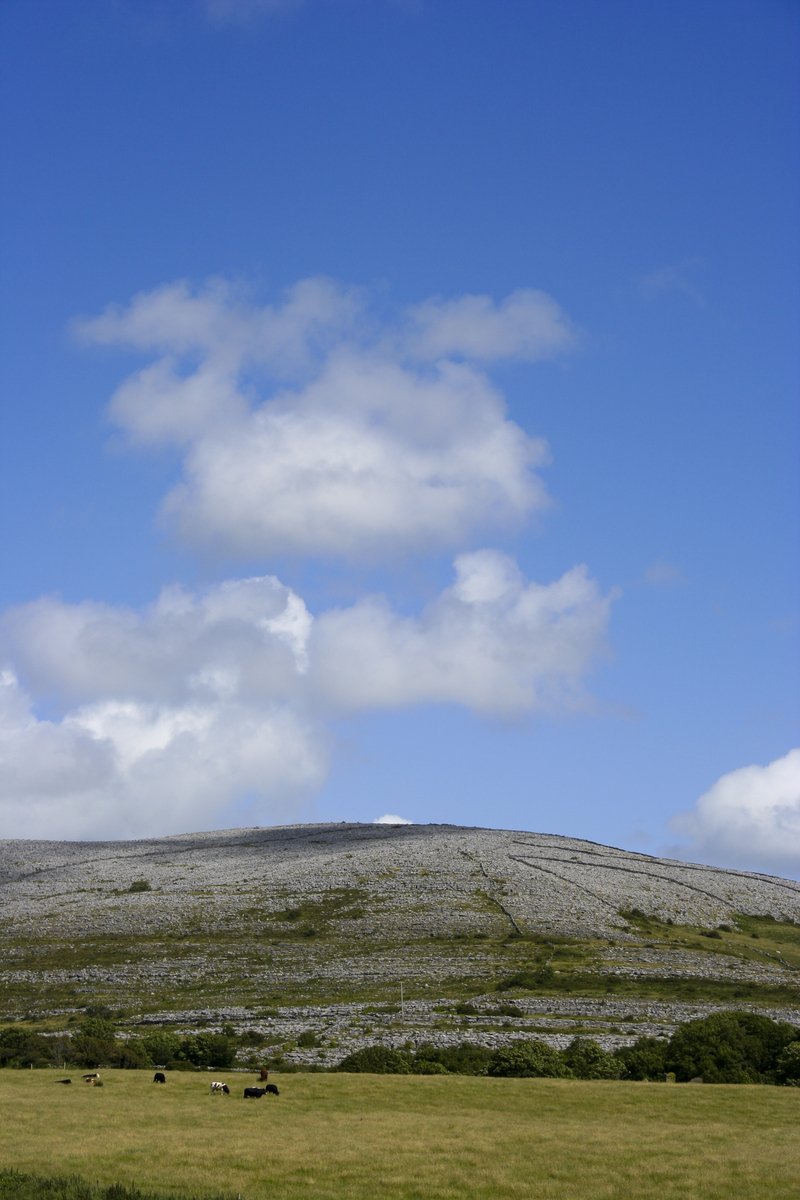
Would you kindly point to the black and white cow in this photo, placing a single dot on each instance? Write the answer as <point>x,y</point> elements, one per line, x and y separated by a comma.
<point>220,1089</point>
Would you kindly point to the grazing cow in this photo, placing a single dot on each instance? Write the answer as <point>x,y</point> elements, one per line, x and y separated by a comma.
<point>62,1081</point>
<point>271,1090</point>
<point>254,1093</point>
<point>91,1079</point>
<point>220,1089</point>
<point>159,1077</point>
<point>264,1075</point>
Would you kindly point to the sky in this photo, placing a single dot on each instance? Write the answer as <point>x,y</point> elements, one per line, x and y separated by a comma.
<point>399,419</point>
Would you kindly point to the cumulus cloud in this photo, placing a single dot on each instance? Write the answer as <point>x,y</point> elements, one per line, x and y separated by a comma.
<point>492,642</point>
<point>310,427</point>
<point>170,717</point>
<point>127,769</point>
<point>527,325</point>
<point>241,639</point>
<point>391,819</point>
<point>749,818</point>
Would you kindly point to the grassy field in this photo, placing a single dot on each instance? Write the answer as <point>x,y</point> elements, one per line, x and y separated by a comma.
<point>355,1137</point>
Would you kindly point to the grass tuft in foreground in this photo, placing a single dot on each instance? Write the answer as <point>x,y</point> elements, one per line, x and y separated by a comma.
<point>16,1186</point>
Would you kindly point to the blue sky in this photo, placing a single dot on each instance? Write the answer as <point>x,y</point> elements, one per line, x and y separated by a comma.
<point>399,416</point>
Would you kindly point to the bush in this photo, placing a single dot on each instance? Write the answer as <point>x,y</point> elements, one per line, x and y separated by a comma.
<point>528,1059</point>
<point>428,1066</point>
<point>308,1039</point>
<point>161,1045</point>
<point>20,1048</point>
<point>463,1059</point>
<point>645,1059</point>
<point>787,1070</point>
<point>729,1047</point>
<point>207,1050</point>
<point>376,1060</point>
<point>588,1060</point>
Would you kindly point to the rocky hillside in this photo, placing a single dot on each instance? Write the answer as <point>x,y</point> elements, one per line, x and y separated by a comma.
<point>315,926</point>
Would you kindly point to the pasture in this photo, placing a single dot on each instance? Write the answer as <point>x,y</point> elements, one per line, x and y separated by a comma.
<point>353,1137</point>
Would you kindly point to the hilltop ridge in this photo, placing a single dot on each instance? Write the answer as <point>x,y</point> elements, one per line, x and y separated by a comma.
<point>316,917</point>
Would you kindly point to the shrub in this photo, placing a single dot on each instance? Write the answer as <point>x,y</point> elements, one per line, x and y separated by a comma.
<point>207,1050</point>
<point>140,885</point>
<point>528,1059</point>
<point>376,1060</point>
<point>588,1060</point>
<point>20,1048</point>
<point>428,1066</point>
<point>729,1047</point>
<point>463,1059</point>
<point>787,1069</point>
<point>645,1059</point>
<point>161,1045</point>
<point>308,1039</point>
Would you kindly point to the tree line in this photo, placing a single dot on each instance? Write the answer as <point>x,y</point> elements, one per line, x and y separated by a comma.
<point>726,1047</point>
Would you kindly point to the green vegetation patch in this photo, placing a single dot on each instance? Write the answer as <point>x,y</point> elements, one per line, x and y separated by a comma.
<point>404,1137</point>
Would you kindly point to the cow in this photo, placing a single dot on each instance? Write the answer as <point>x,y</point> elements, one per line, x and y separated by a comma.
<point>62,1081</point>
<point>159,1077</point>
<point>93,1079</point>
<point>271,1090</point>
<point>264,1075</point>
<point>220,1089</point>
<point>254,1093</point>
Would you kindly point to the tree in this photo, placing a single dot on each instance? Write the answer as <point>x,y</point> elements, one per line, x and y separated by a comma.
<point>376,1060</point>
<point>21,1047</point>
<point>464,1059</point>
<point>729,1047</point>
<point>95,1043</point>
<point>161,1045</point>
<point>645,1059</point>
<point>787,1070</point>
<point>528,1059</point>
<point>206,1050</point>
<point>588,1060</point>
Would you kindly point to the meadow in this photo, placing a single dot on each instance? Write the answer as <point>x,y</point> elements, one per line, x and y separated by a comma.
<point>353,1137</point>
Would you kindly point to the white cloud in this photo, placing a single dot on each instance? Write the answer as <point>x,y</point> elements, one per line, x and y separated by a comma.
<point>310,428</point>
<point>492,642</point>
<point>171,717</point>
<point>125,768</point>
<point>391,819</point>
<point>749,818</point>
<point>528,325</point>
<point>240,639</point>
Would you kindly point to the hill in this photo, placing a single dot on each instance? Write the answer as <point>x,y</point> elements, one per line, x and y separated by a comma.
<point>392,933</point>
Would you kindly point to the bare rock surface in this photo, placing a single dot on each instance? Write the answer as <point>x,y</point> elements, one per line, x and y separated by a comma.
<point>394,903</point>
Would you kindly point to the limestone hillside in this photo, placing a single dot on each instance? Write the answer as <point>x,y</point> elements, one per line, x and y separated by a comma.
<point>387,931</point>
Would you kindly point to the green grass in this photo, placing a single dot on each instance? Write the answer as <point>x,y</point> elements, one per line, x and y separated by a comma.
<point>351,1137</point>
<point>292,928</point>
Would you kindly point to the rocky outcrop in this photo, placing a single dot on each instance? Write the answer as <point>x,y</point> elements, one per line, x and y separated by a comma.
<point>331,908</point>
